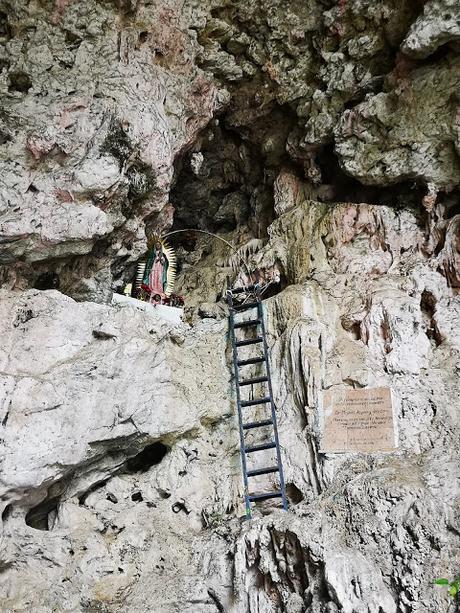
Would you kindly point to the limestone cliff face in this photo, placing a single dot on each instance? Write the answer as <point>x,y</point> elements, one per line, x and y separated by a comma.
<point>321,139</point>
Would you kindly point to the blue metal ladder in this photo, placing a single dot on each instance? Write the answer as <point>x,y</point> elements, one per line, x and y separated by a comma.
<point>257,325</point>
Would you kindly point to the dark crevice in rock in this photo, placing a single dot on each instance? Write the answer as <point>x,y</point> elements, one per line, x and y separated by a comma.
<point>112,497</point>
<point>440,54</point>
<point>7,512</point>
<point>19,82</point>
<point>117,143</point>
<point>143,37</point>
<point>428,309</point>
<point>7,414</point>
<point>47,280</point>
<point>127,8</point>
<point>96,486</point>
<point>148,457</point>
<point>337,186</point>
<point>219,606</point>
<point>42,516</point>
<point>448,204</point>
<point>293,494</point>
<point>5,28</point>
<point>73,41</point>
<point>296,572</point>
<point>179,507</point>
<point>262,276</point>
<point>353,328</point>
<point>5,137</point>
<point>386,334</point>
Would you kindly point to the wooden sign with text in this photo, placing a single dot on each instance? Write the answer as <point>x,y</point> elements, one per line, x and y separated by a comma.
<point>358,420</point>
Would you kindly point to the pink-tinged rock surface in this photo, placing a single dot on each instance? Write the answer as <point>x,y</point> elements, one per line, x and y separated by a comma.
<point>93,137</point>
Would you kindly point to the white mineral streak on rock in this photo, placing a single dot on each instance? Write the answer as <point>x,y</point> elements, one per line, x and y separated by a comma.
<point>356,584</point>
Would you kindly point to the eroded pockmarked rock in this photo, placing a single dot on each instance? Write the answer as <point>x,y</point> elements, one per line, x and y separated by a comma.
<point>101,409</point>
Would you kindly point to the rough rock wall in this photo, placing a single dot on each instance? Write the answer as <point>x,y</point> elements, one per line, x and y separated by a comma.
<point>98,100</point>
<point>364,306</point>
<point>95,518</point>
<point>110,449</point>
<point>323,138</point>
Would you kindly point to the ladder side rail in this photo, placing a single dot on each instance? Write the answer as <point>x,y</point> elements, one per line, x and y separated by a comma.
<point>238,404</point>
<point>272,405</point>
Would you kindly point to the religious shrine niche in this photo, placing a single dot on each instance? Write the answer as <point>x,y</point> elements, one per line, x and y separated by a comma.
<point>155,276</point>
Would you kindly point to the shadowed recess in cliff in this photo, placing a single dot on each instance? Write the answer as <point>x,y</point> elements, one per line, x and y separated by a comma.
<point>44,514</point>
<point>148,457</point>
<point>213,187</point>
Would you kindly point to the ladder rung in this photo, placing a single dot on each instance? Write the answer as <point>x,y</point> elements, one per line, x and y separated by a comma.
<point>240,290</point>
<point>257,424</point>
<point>245,307</point>
<point>250,341</point>
<point>254,497</point>
<point>262,447</point>
<point>250,403</point>
<point>262,471</point>
<point>246,324</point>
<point>253,381</point>
<point>251,361</point>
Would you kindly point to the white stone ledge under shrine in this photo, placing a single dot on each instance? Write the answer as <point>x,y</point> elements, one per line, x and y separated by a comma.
<point>172,314</point>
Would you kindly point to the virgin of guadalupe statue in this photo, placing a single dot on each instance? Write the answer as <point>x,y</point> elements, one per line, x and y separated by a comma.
<point>156,275</point>
<point>156,271</point>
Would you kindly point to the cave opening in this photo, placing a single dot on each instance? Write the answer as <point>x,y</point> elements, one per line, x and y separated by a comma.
<point>150,456</point>
<point>213,186</point>
<point>47,280</point>
<point>225,186</point>
<point>293,494</point>
<point>43,516</point>
<point>19,82</point>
